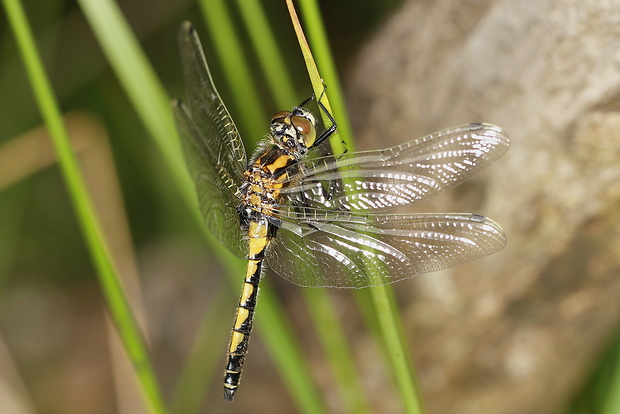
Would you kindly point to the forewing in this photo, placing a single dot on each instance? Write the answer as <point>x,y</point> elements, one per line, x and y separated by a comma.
<point>337,253</point>
<point>212,145</point>
<point>397,176</point>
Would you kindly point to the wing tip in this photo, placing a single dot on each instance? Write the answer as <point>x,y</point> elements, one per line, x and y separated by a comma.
<point>490,227</point>
<point>187,27</point>
<point>490,130</point>
<point>188,35</point>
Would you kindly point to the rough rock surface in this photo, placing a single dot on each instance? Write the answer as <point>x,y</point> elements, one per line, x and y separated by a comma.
<point>516,332</point>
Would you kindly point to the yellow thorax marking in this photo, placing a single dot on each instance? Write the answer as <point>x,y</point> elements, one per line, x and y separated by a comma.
<point>255,200</point>
<point>280,162</point>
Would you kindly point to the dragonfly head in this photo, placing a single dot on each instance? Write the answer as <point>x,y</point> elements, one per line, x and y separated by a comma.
<point>294,130</point>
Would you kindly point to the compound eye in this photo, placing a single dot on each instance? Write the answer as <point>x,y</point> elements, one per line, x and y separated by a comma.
<point>302,125</point>
<point>305,129</point>
<point>280,116</point>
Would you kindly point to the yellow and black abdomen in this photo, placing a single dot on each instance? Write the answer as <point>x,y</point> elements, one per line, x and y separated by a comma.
<point>259,194</point>
<point>258,234</point>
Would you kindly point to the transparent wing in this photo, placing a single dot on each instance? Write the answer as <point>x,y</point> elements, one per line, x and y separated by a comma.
<point>336,253</point>
<point>407,173</point>
<point>212,145</point>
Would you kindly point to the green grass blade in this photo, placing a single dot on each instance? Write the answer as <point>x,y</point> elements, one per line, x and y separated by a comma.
<point>235,67</point>
<point>152,104</point>
<point>398,352</point>
<point>611,402</point>
<point>140,82</point>
<point>112,290</point>
<point>336,348</point>
<point>272,63</point>
<point>197,374</point>
<point>279,339</point>
<point>600,393</point>
<point>320,47</point>
<point>382,296</point>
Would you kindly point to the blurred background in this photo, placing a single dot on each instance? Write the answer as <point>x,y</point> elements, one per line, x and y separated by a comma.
<point>532,329</point>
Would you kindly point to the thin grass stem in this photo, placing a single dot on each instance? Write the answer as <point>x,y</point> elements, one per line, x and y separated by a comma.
<point>108,277</point>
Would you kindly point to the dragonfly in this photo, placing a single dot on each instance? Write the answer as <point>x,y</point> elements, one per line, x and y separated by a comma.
<point>321,220</point>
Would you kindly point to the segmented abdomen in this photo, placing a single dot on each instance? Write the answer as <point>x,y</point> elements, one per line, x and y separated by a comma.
<point>258,233</point>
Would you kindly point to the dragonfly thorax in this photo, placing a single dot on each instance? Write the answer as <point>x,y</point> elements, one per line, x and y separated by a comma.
<point>260,191</point>
<point>294,131</point>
